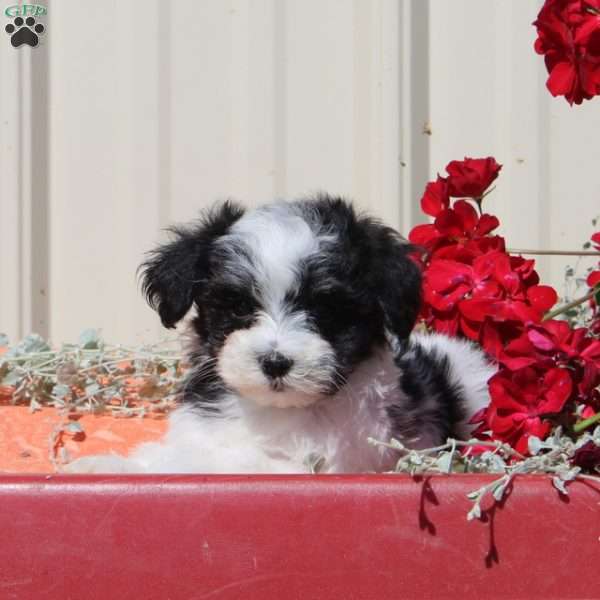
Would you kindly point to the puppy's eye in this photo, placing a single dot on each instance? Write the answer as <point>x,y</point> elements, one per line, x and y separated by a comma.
<point>241,307</point>
<point>336,304</point>
<point>237,305</point>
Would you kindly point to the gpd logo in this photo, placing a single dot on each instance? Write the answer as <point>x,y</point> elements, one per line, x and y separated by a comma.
<point>24,28</point>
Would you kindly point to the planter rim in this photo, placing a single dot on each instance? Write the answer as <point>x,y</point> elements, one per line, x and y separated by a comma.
<point>257,537</point>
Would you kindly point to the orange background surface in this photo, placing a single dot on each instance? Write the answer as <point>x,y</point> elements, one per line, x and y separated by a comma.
<point>28,441</point>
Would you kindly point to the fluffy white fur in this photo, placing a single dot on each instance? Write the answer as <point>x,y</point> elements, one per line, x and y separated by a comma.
<point>266,439</point>
<point>277,241</point>
<point>285,333</point>
<point>270,264</point>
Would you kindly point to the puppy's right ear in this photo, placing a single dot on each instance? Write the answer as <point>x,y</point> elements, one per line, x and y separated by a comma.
<point>175,272</point>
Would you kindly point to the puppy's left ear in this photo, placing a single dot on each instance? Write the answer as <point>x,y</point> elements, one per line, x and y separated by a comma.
<point>174,274</point>
<point>394,276</point>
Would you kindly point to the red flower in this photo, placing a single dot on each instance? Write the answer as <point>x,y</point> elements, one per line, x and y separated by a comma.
<point>593,278</point>
<point>520,299</point>
<point>569,39</point>
<point>587,457</point>
<point>473,288</point>
<point>522,400</point>
<point>456,231</point>
<point>436,197</point>
<point>472,176</point>
<point>555,344</point>
<point>453,281</point>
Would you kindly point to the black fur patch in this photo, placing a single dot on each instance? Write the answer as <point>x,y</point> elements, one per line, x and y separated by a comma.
<point>376,261</point>
<point>426,377</point>
<point>175,272</point>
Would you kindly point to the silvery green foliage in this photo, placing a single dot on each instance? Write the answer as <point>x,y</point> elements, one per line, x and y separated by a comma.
<point>90,376</point>
<point>552,457</point>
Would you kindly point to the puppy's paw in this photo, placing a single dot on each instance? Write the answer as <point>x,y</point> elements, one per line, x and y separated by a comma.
<point>102,463</point>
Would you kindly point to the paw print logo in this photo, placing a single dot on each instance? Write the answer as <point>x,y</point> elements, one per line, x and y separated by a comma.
<point>24,32</point>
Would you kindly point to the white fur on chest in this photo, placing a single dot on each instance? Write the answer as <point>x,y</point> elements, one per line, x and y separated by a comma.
<point>248,438</point>
<point>337,427</point>
<point>254,439</point>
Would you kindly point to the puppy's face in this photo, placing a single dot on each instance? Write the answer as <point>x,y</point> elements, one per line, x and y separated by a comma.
<point>290,297</point>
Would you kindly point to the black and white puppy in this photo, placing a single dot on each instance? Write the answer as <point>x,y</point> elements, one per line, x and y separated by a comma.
<point>300,346</point>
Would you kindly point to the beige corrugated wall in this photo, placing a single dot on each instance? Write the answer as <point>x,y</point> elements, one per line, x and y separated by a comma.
<point>134,114</point>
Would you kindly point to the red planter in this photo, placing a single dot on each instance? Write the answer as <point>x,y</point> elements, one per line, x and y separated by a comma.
<point>300,537</point>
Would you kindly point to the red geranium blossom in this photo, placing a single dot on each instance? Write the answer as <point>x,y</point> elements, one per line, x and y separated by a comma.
<point>457,233</point>
<point>593,278</point>
<point>588,456</point>
<point>556,344</point>
<point>470,295</point>
<point>436,197</point>
<point>569,39</point>
<point>521,401</point>
<point>553,340</point>
<point>469,178</point>
<point>549,372</point>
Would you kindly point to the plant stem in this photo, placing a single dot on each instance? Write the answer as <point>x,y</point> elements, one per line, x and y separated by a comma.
<point>570,305</point>
<point>452,443</point>
<point>554,252</point>
<point>581,425</point>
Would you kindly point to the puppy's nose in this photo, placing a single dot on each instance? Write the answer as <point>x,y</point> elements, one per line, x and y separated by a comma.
<point>275,364</point>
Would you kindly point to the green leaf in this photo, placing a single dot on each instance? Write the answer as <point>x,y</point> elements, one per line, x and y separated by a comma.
<point>474,513</point>
<point>11,378</point>
<point>444,461</point>
<point>31,344</point>
<point>92,389</point>
<point>498,492</point>
<point>60,390</point>
<point>559,484</point>
<point>89,339</point>
<point>534,444</point>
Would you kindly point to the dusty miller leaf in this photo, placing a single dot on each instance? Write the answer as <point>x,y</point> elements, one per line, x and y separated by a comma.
<point>11,378</point>
<point>60,390</point>
<point>559,484</point>
<point>535,444</point>
<point>474,513</point>
<point>92,389</point>
<point>498,491</point>
<point>89,339</point>
<point>31,344</point>
<point>444,461</point>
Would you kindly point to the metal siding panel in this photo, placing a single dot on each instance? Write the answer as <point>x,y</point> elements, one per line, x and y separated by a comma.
<point>144,125</point>
<point>103,159</point>
<point>11,302</point>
